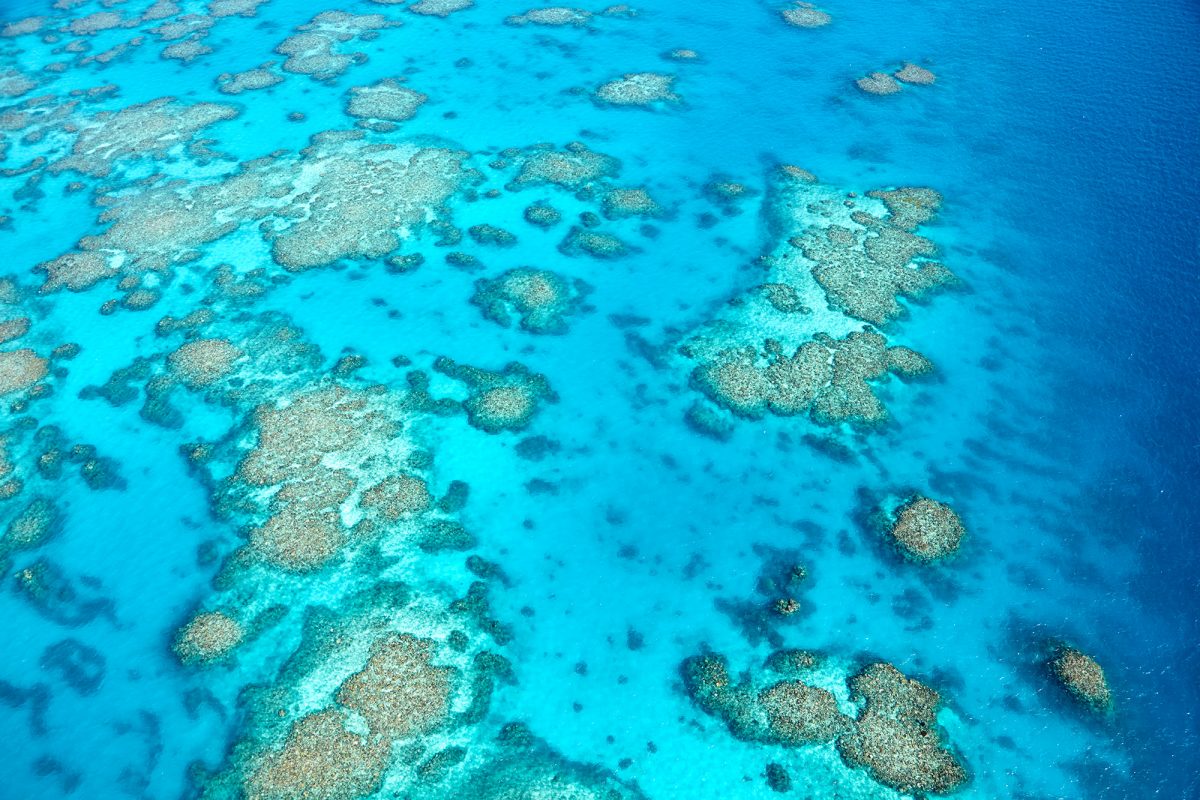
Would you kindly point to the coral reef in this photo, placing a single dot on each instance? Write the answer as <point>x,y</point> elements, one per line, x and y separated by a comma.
<point>208,637</point>
<point>315,48</point>
<point>789,713</point>
<point>148,130</point>
<point>640,89</point>
<point>20,369</point>
<point>399,692</point>
<point>499,401</point>
<point>805,15</point>
<point>826,378</point>
<point>1082,676</point>
<point>554,16</point>
<point>621,203</point>
<point>896,737</point>
<point>574,167</point>
<point>794,344</point>
<point>878,83</point>
<point>321,759</point>
<point>926,530</point>
<point>439,8</point>
<point>540,299</point>
<point>387,100</point>
<point>915,74</point>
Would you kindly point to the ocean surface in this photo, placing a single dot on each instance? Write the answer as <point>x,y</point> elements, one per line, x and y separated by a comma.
<point>493,400</point>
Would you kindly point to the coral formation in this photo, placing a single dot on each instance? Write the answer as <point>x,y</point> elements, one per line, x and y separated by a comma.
<point>540,299</point>
<point>208,637</point>
<point>825,377</point>
<point>621,203</point>
<point>896,737</point>
<point>315,48</point>
<point>878,83</point>
<point>387,100</point>
<point>643,89</point>
<point>554,16</point>
<point>805,15</point>
<point>439,8</point>
<point>249,80</point>
<point>1083,677</point>
<point>775,349</point>
<point>574,167</point>
<point>399,692</point>
<point>926,530</point>
<point>201,362</point>
<point>499,401</point>
<point>321,759</point>
<point>915,74</point>
<point>20,369</point>
<point>147,130</point>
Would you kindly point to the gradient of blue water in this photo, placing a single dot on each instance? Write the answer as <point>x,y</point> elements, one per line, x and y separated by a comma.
<point>1065,138</point>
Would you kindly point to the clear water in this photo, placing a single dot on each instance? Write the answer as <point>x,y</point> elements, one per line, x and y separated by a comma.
<point>1065,141</point>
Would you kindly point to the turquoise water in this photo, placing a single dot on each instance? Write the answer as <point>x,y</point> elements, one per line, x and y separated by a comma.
<point>617,539</point>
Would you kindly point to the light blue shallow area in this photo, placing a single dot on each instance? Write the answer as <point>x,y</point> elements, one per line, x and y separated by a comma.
<point>1065,138</point>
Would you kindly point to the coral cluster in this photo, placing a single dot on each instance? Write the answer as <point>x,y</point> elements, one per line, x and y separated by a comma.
<point>773,349</point>
<point>926,530</point>
<point>1083,677</point>
<point>894,736</point>
<point>540,299</point>
<point>506,400</point>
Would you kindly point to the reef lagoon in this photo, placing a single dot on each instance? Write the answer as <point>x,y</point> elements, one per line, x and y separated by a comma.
<point>671,401</point>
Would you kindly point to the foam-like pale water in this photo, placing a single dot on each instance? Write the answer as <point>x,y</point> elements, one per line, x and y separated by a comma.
<point>453,399</point>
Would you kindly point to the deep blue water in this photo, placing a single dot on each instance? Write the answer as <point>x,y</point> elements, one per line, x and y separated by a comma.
<point>1064,139</point>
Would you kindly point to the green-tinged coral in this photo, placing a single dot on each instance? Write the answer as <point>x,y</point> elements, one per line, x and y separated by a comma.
<point>538,773</point>
<point>35,523</point>
<point>790,713</point>
<point>492,235</point>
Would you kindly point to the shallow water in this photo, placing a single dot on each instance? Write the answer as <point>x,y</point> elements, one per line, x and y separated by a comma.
<point>1063,140</point>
